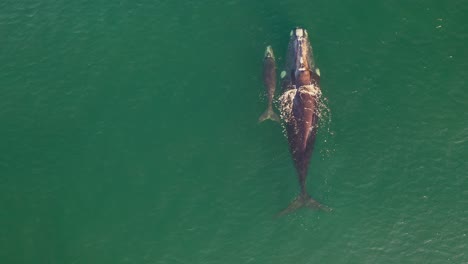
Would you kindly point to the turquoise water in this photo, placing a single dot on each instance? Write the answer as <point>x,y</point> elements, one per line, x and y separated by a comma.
<point>129,133</point>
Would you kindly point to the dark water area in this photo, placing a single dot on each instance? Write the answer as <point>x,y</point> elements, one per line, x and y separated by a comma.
<point>129,133</point>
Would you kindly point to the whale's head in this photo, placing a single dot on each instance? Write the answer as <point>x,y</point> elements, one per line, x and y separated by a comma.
<point>299,61</point>
<point>269,52</point>
<point>301,50</point>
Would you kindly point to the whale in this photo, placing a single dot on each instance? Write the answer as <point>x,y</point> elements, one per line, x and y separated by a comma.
<point>269,81</point>
<point>299,101</point>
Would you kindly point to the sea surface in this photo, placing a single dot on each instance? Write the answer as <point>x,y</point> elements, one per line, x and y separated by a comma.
<point>129,134</point>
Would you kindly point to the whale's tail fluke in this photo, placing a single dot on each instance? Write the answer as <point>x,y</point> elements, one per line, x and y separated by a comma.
<point>304,200</point>
<point>269,114</point>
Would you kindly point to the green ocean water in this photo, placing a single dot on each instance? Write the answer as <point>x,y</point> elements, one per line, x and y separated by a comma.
<point>129,133</point>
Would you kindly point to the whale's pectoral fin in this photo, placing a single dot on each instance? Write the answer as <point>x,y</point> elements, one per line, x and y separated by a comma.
<point>304,200</point>
<point>283,74</point>
<point>317,71</point>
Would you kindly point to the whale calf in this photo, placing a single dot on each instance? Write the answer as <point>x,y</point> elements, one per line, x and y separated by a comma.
<point>269,80</point>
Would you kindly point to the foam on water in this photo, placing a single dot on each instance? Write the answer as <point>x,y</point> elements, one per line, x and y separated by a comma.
<point>285,104</point>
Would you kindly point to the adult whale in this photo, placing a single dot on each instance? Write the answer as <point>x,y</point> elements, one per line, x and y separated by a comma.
<point>299,111</point>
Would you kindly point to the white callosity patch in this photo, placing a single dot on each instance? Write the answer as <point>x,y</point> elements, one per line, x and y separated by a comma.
<point>269,52</point>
